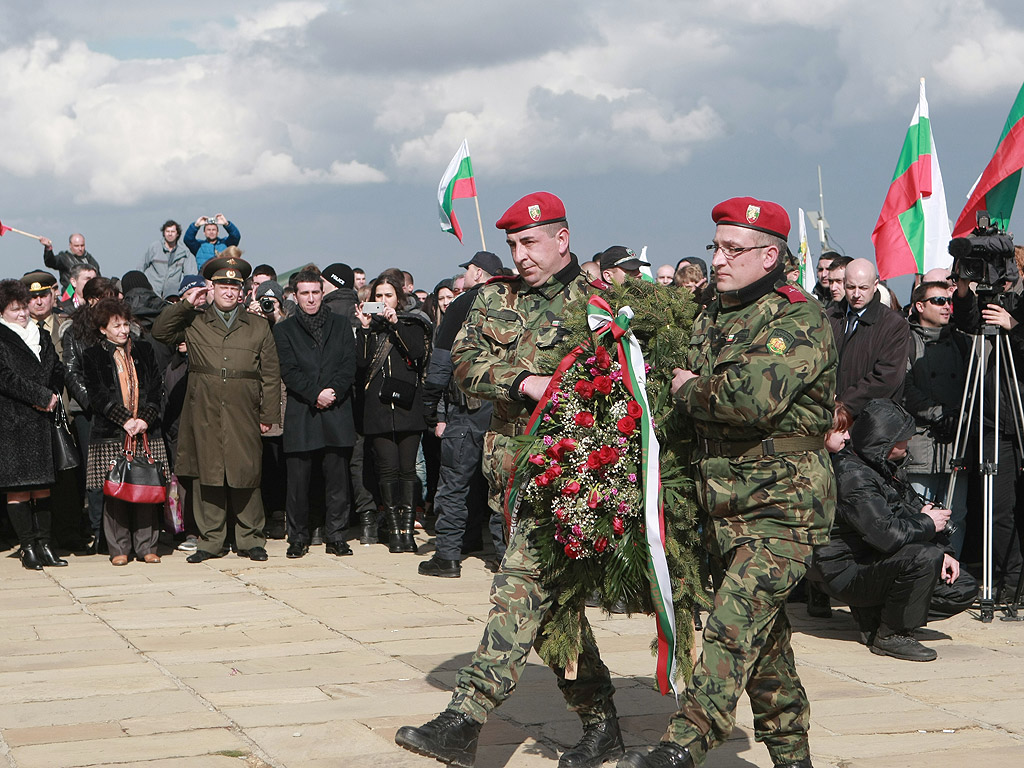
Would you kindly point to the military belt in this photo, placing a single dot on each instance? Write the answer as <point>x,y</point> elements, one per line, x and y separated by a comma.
<point>224,373</point>
<point>758,448</point>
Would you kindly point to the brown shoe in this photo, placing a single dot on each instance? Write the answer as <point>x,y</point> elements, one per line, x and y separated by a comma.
<point>119,560</point>
<point>151,558</point>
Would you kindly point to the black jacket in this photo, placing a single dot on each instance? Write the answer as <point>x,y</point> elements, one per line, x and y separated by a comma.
<point>108,411</point>
<point>308,369</point>
<point>26,439</point>
<point>409,343</point>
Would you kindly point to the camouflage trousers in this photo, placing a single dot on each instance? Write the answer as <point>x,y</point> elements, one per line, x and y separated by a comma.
<point>747,647</point>
<point>520,607</point>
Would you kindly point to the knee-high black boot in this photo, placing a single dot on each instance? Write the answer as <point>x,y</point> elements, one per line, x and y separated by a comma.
<point>407,514</point>
<point>41,509</point>
<point>20,513</point>
<point>389,496</point>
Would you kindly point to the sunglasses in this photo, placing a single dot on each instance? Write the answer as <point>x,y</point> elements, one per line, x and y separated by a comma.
<point>939,301</point>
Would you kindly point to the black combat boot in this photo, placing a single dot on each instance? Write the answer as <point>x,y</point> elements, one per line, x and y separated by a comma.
<point>805,763</point>
<point>368,526</point>
<point>451,738</point>
<point>818,603</point>
<point>20,514</point>
<point>389,496</point>
<point>438,566</point>
<point>665,755</point>
<point>900,645</point>
<point>407,514</point>
<point>601,742</point>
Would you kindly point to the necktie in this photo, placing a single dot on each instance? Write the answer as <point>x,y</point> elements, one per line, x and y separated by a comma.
<point>851,324</point>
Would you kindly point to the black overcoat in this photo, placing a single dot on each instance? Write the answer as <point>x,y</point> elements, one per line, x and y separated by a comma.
<point>307,370</point>
<point>410,339</point>
<point>108,411</point>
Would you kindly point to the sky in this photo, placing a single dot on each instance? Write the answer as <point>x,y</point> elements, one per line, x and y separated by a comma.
<point>321,129</point>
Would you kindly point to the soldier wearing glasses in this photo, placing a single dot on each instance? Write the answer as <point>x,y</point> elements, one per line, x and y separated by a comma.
<point>760,389</point>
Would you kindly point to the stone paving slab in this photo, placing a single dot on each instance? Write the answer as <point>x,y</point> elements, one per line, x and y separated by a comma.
<point>316,662</point>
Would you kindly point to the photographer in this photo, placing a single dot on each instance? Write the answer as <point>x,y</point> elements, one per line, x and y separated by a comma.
<point>268,301</point>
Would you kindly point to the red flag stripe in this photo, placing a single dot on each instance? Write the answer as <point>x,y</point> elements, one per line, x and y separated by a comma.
<point>464,188</point>
<point>1008,158</point>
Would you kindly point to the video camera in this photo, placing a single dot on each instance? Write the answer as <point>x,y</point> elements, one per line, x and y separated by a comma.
<point>984,257</point>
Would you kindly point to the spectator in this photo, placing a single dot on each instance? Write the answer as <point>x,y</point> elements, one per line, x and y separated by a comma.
<point>837,279</point>
<point>437,303</point>
<point>666,274</point>
<point>873,341</point>
<point>618,262</point>
<point>592,269</point>
<point>30,378</point>
<point>692,279</point>
<point>41,304</point>
<point>125,390</point>
<point>65,260</point>
<point>339,292</point>
<point>78,275</point>
<point>359,278</point>
<point>318,366</point>
<point>213,244</point>
<point>391,349</point>
<point>234,396</point>
<point>887,557</point>
<point>822,292</point>
<point>167,261</point>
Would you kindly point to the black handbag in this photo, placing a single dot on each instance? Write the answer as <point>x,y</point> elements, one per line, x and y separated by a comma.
<point>65,449</point>
<point>397,392</point>
<point>136,476</point>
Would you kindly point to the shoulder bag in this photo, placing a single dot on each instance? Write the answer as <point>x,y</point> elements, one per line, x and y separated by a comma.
<point>65,449</point>
<point>136,477</point>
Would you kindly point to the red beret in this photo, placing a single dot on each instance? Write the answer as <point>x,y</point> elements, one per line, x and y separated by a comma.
<point>762,215</point>
<point>532,211</point>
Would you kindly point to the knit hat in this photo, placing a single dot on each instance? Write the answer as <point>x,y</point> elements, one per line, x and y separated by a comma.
<point>133,278</point>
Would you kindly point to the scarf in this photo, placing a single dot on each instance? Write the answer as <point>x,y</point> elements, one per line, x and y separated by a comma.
<point>28,334</point>
<point>127,377</point>
<point>314,324</point>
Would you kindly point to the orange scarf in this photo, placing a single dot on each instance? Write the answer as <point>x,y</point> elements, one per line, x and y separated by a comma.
<point>127,377</point>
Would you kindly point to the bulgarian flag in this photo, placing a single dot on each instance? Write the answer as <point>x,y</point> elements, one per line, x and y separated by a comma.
<point>912,233</point>
<point>996,190</point>
<point>807,276</point>
<point>456,183</point>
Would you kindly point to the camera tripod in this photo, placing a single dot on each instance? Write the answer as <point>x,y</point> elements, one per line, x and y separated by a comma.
<point>972,422</point>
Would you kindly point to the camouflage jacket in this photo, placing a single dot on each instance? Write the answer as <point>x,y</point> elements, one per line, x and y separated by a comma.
<point>765,368</point>
<point>508,325</point>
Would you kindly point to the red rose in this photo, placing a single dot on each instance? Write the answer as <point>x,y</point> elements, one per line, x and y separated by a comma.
<point>601,544</point>
<point>584,419</point>
<point>542,480</point>
<point>567,444</point>
<point>594,460</point>
<point>603,359</point>
<point>537,459</point>
<point>554,471</point>
<point>633,409</point>
<point>594,500</point>
<point>608,455</point>
<point>561,514</point>
<point>584,389</point>
<point>571,489</point>
<point>626,425</point>
<point>554,452</point>
<point>618,526</point>
<point>603,384</point>
<point>572,550</point>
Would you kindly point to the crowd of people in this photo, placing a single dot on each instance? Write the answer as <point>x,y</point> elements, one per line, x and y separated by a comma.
<point>328,407</point>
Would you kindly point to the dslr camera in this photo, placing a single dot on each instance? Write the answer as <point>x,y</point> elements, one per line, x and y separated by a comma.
<point>267,305</point>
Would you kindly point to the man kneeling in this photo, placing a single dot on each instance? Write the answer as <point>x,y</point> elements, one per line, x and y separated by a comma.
<point>888,556</point>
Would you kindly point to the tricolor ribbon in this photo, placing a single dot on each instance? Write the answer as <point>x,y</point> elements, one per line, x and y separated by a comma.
<point>601,322</point>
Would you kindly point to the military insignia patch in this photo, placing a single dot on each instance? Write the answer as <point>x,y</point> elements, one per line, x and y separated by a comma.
<point>779,342</point>
<point>232,274</point>
<point>753,212</point>
<point>534,211</point>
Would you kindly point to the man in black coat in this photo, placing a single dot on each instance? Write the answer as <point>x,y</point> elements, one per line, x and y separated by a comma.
<point>873,341</point>
<point>316,350</point>
<point>888,556</point>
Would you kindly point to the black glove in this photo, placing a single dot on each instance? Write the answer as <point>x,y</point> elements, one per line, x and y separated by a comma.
<point>943,430</point>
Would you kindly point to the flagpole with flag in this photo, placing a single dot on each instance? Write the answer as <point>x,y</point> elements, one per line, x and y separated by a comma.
<point>912,234</point>
<point>458,182</point>
<point>807,276</point>
<point>4,229</point>
<point>996,189</point>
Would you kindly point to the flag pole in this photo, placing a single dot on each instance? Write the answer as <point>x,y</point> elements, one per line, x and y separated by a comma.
<point>480,221</point>
<point>21,232</point>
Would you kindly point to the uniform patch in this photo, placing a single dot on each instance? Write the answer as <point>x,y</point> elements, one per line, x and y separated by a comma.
<point>780,341</point>
<point>753,212</point>
<point>534,211</point>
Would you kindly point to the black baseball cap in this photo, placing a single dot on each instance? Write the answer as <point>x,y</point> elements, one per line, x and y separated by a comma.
<point>622,257</point>
<point>487,261</point>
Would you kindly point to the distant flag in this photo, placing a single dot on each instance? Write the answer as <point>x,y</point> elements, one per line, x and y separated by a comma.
<point>645,269</point>
<point>3,230</point>
<point>807,276</point>
<point>912,233</point>
<point>996,189</point>
<point>457,182</point>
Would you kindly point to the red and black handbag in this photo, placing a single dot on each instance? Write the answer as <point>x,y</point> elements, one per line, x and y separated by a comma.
<point>136,477</point>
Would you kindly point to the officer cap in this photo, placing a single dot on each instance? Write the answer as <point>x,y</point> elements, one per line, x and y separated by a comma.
<point>487,261</point>
<point>38,282</point>
<point>227,269</point>
<point>762,215</point>
<point>534,210</point>
<point>622,257</point>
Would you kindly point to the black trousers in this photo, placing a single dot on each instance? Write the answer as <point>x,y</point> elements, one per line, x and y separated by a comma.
<point>461,497</point>
<point>334,463</point>
<point>395,454</point>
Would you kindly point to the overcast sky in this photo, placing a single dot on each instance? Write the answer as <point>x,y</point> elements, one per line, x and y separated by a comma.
<point>322,128</point>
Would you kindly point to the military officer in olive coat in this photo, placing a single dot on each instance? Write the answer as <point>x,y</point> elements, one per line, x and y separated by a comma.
<point>233,396</point>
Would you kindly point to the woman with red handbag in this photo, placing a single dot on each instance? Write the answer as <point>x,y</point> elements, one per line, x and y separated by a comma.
<point>124,388</point>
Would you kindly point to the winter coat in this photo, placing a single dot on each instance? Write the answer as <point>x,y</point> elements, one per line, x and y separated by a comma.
<point>877,510</point>
<point>409,341</point>
<point>166,268</point>
<point>205,250</point>
<point>26,434</point>
<point>343,301</point>
<point>234,385</point>
<point>108,411</point>
<point>308,369</point>
<point>873,362</point>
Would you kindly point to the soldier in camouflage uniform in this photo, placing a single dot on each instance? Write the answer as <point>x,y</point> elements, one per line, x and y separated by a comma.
<point>494,356</point>
<point>760,389</point>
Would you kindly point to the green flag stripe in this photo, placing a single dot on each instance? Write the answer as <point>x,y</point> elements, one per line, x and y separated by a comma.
<point>912,223</point>
<point>917,143</point>
<point>1015,116</point>
<point>465,171</point>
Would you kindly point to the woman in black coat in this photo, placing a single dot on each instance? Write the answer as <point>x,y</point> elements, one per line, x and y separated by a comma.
<point>390,354</point>
<point>125,388</point>
<point>30,378</point>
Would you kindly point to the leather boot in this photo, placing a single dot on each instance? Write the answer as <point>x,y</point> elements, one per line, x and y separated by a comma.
<point>601,742</point>
<point>438,566</point>
<point>451,738</point>
<point>407,514</point>
<point>41,510</point>
<point>29,559</point>
<point>389,495</point>
<point>20,513</point>
<point>818,603</point>
<point>665,755</point>
<point>368,525</point>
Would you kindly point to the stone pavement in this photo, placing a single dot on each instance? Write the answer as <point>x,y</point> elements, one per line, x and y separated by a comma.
<point>316,662</point>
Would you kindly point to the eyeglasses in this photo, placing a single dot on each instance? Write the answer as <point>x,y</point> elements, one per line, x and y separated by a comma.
<point>939,301</point>
<point>731,252</point>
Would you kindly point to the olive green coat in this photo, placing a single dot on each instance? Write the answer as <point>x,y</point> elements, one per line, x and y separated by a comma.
<point>219,437</point>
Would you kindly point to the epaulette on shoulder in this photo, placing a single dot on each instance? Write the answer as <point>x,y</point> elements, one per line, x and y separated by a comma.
<point>502,279</point>
<point>791,293</point>
<point>600,284</point>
